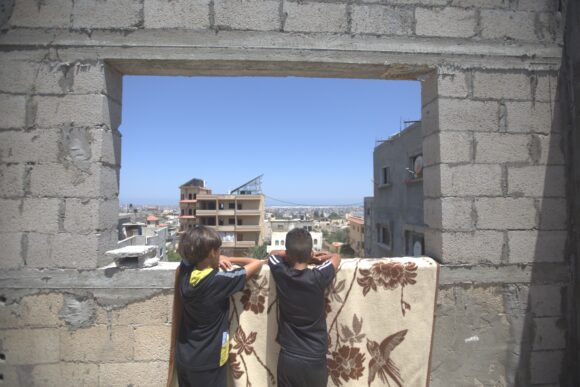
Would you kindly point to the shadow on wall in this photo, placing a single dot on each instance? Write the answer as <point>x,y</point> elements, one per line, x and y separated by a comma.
<point>548,350</point>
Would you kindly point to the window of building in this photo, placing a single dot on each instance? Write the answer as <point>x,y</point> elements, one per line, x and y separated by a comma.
<point>240,221</point>
<point>231,221</point>
<point>385,175</point>
<point>221,206</point>
<point>277,243</point>
<point>384,236</point>
<point>239,206</point>
<point>232,206</point>
<point>194,196</point>
<point>416,166</point>
<point>182,211</point>
<point>182,196</point>
<point>220,222</point>
<point>190,196</point>
<point>315,241</point>
<point>190,211</point>
<point>280,227</point>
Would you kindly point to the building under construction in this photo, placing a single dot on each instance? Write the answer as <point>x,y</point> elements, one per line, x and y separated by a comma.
<point>238,216</point>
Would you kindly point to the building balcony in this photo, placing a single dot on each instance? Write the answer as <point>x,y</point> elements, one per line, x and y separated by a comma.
<point>188,201</point>
<point>228,244</point>
<point>227,212</point>
<point>230,228</point>
<point>245,243</point>
<point>186,216</point>
<point>251,227</point>
<point>206,212</point>
<point>249,212</point>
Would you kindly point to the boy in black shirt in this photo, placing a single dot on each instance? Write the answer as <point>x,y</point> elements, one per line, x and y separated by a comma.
<point>302,328</point>
<point>200,337</point>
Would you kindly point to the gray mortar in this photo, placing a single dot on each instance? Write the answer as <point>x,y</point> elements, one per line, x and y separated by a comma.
<point>78,312</point>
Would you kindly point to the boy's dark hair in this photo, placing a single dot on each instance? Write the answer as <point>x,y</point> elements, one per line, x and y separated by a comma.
<point>196,244</point>
<point>298,245</point>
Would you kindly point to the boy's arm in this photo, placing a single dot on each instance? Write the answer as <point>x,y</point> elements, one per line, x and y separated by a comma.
<point>251,265</point>
<point>325,256</point>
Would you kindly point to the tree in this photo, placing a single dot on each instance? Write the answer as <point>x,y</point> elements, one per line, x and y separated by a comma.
<point>172,256</point>
<point>258,251</point>
<point>346,251</point>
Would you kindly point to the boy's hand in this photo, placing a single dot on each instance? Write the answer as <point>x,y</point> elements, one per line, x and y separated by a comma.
<point>321,256</point>
<point>280,253</point>
<point>225,263</point>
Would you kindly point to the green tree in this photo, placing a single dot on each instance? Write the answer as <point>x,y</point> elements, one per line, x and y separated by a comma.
<point>172,256</point>
<point>258,251</point>
<point>346,251</point>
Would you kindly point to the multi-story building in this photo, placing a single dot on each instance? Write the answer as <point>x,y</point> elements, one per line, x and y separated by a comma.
<point>237,216</point>
<point>394,216</point>
<point>356,232</point>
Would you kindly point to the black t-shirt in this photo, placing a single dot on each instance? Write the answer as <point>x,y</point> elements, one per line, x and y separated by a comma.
<point>302,326</point>
<point>203,341</point>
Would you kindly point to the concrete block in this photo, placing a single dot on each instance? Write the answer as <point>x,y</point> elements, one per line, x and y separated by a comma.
<point>546,300</point>
<point>21,76</point>
<point>105,146</point>
<point>76,110</point>
<point>10,253</point>
<point>449,22</point>
<point>99,343</point>
<point>538,5</point>
<point>177,14</point>
<point>257,15</point>
<point>472,247</point>
<point>430,116</point>
<point>58,180</point>
<point>553,214</point>
<point>11,179</point>
<point>449,214</point>
<point>528,117</point>
<point>381,20</point>
<point>429,91</point>
<point>315,17</point>
<point>87,215</point>
<point>546,367</point>
<point>447,147</point>
<point>453,85</point>
<point>11,211</point>
<point>546,89</point>
<point>154,311</point>
<point>32,13</point>
<point>31,146</point>
<point>473,338</point>
<point>12,111</point>
<point>41,310</point>
<point>65,374</point>
<point>502,85</point>
<point>501,147</point>
<point>468,115</point>
<point>470,180</point>
<point>30,346</point>
<point>39,215</point>
<point>511,25</point>
<point>536,246</point>
<point>107,14</point>
<point>480,3</point>
<point>144,374</point>
<point>152,342</point>
<point>547,149</point>
<point>65,250</point>
<point>549,333</point>
<point>537,181</point>
<point>91,77</point>
<point>505,213</point>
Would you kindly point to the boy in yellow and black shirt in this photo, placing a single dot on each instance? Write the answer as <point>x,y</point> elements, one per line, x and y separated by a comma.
<point>202,296</point>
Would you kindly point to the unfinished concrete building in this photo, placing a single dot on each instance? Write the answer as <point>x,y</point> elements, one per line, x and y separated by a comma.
<point>395,213</point>
<point>238,217</point>
<point>500,92</point>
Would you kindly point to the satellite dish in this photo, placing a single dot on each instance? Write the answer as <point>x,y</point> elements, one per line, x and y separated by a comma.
<point>417,249</point>
<point>418,165</point>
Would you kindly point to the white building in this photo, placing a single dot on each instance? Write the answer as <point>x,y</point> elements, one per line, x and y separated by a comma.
<point>279,241</point>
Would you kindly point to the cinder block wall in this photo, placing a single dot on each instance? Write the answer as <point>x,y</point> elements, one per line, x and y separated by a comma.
<point>494,181</point>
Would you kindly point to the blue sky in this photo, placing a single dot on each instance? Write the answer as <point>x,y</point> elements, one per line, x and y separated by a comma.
<point>312,138</point>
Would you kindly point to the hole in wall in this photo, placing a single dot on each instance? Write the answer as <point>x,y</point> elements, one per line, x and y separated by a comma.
<point>302,134</point>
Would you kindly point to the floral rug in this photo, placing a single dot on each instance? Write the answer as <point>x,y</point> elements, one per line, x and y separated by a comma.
<point>380,324</point>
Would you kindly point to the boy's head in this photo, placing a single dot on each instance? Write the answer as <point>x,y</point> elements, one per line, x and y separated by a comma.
<point>198,244</point>
<point>299,245</point>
